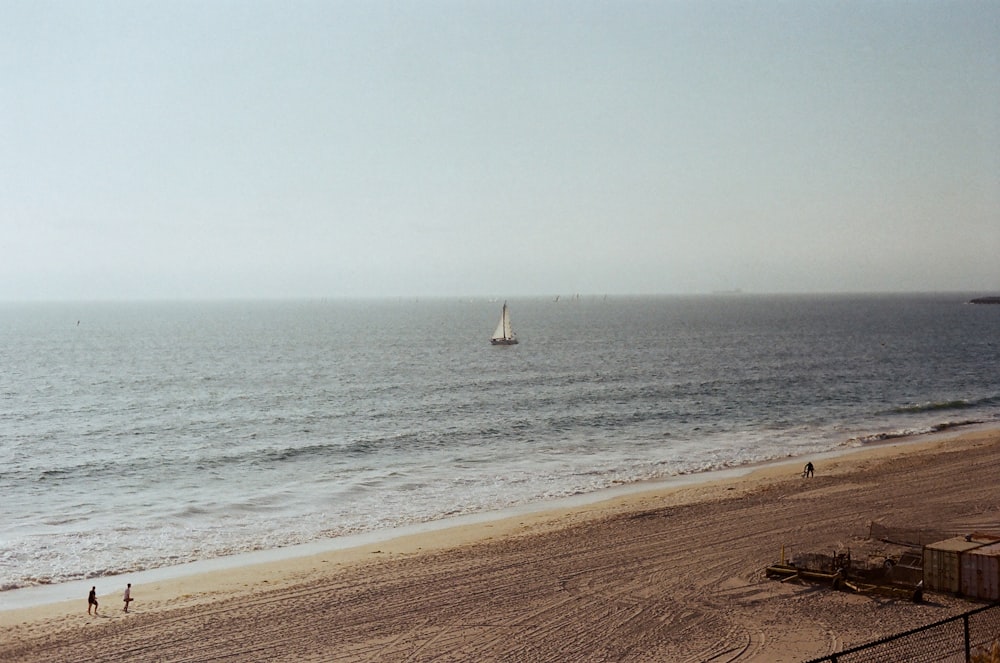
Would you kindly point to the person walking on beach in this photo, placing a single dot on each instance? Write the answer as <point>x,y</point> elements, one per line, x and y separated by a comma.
<point>92,600</point>
<point>808,472</point>
<point>127,597</point>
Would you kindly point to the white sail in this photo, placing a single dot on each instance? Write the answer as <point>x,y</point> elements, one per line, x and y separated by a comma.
<point>503,334</point>
<point>499,332</point>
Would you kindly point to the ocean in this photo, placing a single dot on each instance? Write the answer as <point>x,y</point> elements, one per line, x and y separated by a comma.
<point>138,436</point>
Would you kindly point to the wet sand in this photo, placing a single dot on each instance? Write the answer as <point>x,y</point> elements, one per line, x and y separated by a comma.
<point>668,574</point>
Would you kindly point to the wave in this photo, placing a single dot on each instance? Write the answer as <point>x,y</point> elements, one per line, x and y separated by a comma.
<point>892,435</point>
<point>960,404</point>
<point>363,446</point>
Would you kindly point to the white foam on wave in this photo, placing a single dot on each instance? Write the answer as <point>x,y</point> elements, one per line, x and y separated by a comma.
<point>217,528</point>
<point>49,590</point>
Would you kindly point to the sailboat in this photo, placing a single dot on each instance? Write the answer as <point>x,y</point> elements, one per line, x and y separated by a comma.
<point>504,334</point>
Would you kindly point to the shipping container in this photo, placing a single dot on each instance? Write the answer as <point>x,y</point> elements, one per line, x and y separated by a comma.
<point>943,563</point>
<point>980,578</point>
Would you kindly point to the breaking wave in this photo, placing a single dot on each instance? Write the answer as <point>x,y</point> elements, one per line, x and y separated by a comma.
<point>947,405</point>
<point>892,435</point>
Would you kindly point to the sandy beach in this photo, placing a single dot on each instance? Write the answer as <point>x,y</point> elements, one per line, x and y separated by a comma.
<point>668,574</point>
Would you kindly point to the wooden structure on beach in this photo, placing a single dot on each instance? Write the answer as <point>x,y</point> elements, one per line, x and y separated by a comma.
<point>841,573</point>
<point>967,565</point>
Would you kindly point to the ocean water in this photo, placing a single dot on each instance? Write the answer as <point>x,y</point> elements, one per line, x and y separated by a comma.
<point>142,435</point>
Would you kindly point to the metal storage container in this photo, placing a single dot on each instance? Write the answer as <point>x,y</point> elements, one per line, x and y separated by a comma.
<point>980,572</point>
<point>942,563</point>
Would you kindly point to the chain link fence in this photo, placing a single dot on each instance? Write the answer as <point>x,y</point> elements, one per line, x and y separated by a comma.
<point>973,637</point>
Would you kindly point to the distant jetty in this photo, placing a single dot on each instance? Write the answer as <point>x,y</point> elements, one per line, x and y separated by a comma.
<point>985,300</point>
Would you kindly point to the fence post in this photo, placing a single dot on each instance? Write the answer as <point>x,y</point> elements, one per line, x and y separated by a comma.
<point>968,644</point>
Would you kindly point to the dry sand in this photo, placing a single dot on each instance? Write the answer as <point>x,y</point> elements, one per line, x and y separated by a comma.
<point>671,574</point>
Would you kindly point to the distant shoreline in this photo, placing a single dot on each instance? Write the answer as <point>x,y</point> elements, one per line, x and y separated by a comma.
<point>960,295</point>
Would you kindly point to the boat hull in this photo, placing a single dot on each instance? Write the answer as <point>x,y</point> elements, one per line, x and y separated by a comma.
<point>503,341</point>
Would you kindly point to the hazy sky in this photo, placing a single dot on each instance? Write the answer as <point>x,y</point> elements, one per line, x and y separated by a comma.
<point>201,149</point>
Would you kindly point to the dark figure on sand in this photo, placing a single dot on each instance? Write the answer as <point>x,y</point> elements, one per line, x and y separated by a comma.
<point>92,600</point>
<point>808,472</point>
<point>127,597</point>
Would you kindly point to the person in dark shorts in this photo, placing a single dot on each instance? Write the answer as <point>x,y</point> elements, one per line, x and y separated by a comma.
<point>92,600</point>
<point>127,597</point>
<point>808,472</point>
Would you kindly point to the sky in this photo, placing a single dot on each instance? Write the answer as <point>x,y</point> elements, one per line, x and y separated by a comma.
<point>186,149</point>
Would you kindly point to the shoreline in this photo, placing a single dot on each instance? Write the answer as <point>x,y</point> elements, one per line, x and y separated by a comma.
<point>242,580</point>
<point>654,573</point>
<point>39,596</point>
<point>456,530</point>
